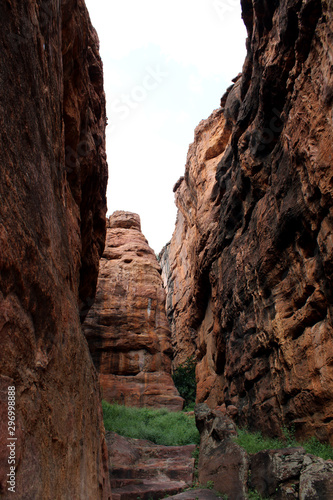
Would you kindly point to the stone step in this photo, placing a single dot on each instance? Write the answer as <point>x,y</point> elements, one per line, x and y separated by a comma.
<point>147,490</point>
<point>140,469</point>
<point>196,495</point>
<point>168,451</point>
<point>176,471</point>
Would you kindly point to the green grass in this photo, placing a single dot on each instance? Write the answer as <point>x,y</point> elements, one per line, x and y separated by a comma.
<point>160,426</point>
<point>315,447</point>
<point>253,442</point>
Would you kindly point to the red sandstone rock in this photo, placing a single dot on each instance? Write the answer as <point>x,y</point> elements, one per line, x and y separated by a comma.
<point>127,328</point>
<point>142,469</point>
<point>249,267</point>
<point>52,231</point>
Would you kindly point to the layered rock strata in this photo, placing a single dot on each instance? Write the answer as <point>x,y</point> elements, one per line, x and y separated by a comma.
<point>127,329</point>
<point>52,232</point>
<point>249,267</point>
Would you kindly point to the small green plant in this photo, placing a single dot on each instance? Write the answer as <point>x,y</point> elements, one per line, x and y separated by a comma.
<point>160,426</point>
<point>289,436</point>
<point>184,379</point>
<point>255,495</point>
<point>210,485</point>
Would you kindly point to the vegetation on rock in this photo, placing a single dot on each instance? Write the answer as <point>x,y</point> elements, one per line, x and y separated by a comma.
<point>253,442</point>
<point>184,380</point>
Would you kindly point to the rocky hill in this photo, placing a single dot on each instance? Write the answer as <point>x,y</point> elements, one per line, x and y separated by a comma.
<point>249,267</point>
<point>127,329</point>
<point>52,233</point>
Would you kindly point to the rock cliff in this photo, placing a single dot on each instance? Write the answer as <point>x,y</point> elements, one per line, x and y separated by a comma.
<point>249,267</point>
<point>127,329</point>
<point>52,232</point>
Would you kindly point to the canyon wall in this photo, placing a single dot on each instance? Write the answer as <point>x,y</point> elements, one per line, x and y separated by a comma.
<point>52,233</point>
<point>127,329</point>
<point>249,267</point>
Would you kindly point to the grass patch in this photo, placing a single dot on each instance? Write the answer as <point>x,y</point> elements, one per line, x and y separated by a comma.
<point>159,426</point>
<point>253,442</point>
<point>315,447</point>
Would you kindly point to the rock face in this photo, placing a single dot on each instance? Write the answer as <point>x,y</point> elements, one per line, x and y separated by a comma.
<point>127,329</point>
<point>287,473</point>
<point>52,232</point>
<point>249,267</point>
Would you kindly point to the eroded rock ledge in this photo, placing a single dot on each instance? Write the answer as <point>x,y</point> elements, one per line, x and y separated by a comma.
<point>249,267</point>
<point>127,329</point>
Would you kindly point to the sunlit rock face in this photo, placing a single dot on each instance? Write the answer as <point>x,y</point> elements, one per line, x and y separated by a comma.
<point>52,229</point>
<point>249,267</point>
<point>127,329</point>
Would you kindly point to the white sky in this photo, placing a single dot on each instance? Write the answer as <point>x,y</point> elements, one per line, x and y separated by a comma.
<point>166,66</point>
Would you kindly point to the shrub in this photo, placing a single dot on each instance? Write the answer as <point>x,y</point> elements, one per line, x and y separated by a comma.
<point>184,380</point>
<point>159,426</point>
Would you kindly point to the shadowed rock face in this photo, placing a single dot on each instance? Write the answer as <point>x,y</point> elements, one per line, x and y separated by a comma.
<point>249,267</point>
<point>52,232</point>
<point>127,329</point>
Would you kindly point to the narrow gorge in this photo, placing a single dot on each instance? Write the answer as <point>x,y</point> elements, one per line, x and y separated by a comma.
<point>243,289</point>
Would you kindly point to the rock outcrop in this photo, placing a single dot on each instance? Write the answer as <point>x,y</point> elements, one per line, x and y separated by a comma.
<point>222,462</point>
<point>127,329</point>
<point>287,473</point>
<point>52,232</point>
<point>249,267</point>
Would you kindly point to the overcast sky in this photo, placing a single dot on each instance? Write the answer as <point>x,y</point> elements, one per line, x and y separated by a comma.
<point>166,66</point>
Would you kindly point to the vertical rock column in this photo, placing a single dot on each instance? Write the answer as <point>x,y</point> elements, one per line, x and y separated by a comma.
<point>127,329</point>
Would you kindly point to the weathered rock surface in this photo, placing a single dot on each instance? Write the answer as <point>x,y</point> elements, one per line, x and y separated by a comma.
<point>52,231</point>
<point>199,494</point>
<point>127,328</point>
<point>291,473</point>
<point>142,469</point>
<point>221,460</point>
<point>249,267</point>
<point>281,474</point>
